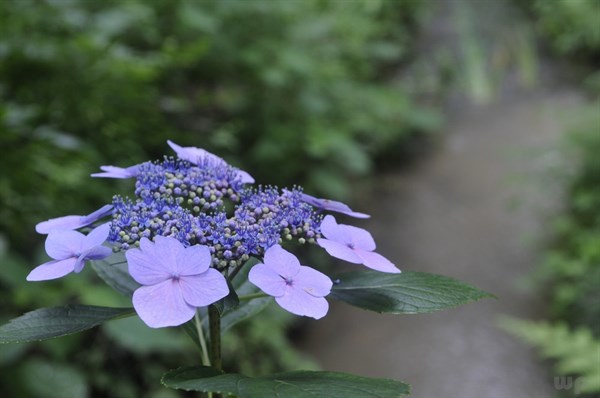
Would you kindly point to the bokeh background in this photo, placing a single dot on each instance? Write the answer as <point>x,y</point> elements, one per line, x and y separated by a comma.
<point>403,108</point>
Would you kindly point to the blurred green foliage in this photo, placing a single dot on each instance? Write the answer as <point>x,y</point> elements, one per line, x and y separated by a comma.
<point>293,91</point>
<point>570,272</point>
<point>571,26</point>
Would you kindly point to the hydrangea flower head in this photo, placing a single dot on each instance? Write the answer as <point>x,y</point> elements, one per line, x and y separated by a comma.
<point>352,244</point>
<point>70,250</point>
<point>73,222</point>
<point>118,172</point>
<point>199,156</point>
<point>175,281</point>
<point>332,205</point>
<point>298,289</point>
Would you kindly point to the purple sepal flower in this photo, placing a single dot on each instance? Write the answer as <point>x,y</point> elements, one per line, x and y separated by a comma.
<point>332,205</point>
<point>118,172</point>
<point>296,288</point>
<point>176,280</point>
<point>198,156</point>
<point>352,244</point>
<point>73,222</point>
<point>70,250</point>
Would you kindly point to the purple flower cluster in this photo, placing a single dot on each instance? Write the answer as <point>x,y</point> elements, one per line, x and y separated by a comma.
<point>192,222</point>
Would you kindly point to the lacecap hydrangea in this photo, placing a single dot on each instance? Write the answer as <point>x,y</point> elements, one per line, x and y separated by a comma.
<point>192,224</point>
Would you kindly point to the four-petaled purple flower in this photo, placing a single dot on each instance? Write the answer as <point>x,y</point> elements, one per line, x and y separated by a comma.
<point>70,250</point>
<point>73,222</point>
<point>352,244</point>
<point>176,280</point>
<point>198,156</point>
<point>332,205</point>
<point>118,172</point>
<point>296,288</point>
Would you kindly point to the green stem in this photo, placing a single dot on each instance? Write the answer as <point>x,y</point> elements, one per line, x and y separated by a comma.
<point>214,321</point>
<point>252,296</point>
<point>202,340</point>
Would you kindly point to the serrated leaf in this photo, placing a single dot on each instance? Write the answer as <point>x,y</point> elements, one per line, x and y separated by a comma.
<point>405,293</point>
<point>298,384</point>
<point>114,272</point>
<point>48,323</point>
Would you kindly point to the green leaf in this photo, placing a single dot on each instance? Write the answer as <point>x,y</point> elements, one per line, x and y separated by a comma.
<point>405,293</point>
<point>114,272</point>
<point>298,384</point>
<point>48,323</point>
<point>229,302</point>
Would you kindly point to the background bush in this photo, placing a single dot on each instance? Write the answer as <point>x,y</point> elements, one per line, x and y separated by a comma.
<point>292,91</point>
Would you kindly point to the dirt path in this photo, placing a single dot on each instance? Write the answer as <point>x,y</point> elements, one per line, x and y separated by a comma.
<point>455,214</point>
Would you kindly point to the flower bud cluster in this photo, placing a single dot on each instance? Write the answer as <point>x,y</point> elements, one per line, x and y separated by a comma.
<point>175,198</point>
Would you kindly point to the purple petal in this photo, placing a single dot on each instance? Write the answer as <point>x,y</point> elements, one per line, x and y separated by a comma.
<point>339,250</point>
<point>145,267</point>
<point>313,282</point>
<point>62,244</point>
<point>359,238</point>
<point>118,172</point>
<point>245,177</point>
<point>193,260</point>
<point>267,280</point>
<point>96,237</point>
<point>331,230</point>
<point>204,289</point>
<point>332,205</point>
<point>162,305</point>
<point>282,261</point>
<point>97,253</point>
<point>377,262</point>
<point>301,303</point>
<point>52,270</point>
<point>72,222</point>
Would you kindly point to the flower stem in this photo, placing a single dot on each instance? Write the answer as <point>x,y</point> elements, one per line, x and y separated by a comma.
<point>201,340</point>
<point>214,321</point>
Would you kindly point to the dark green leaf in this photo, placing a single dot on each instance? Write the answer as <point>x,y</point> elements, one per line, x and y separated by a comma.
<point>298,384</point>
<point>47,323</point>
<point>229,302</point>
<point>114,272</point>
<point>405,293</point>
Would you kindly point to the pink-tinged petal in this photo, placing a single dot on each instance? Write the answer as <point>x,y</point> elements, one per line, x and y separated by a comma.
<point>267,280</point>
<point>301,303</point>
<point>162,305</point>
<point>282,261</point>
<point>193,260</point>
<point>146,268</point>
<point>62,244</point>
<point>359,238</point>
<point>205,289</point>
<point>339,250</point>
<point>52,270</point>
<point>96,237</point>
<point>313,282</point>
<point>377,262</point>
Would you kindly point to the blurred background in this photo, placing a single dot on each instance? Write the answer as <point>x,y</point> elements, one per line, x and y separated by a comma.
<point>469,129</point>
